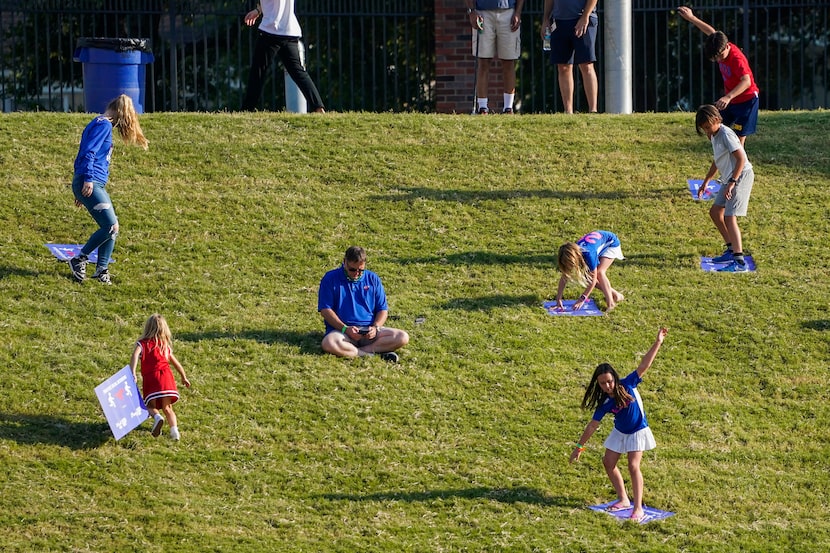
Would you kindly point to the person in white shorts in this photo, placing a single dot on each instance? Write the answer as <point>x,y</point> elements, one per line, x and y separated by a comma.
<point>495,24</point>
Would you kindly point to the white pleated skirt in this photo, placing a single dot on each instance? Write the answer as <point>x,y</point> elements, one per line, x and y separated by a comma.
<point>642,440</point>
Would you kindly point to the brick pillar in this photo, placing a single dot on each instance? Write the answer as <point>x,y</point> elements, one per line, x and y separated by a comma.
<point>455,62</point>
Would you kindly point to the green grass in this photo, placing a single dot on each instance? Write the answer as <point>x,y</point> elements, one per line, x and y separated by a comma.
<point>229,221</point>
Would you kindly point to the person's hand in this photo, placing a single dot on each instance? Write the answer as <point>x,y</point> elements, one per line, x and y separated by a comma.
<point>186,382</point>
<point>86,190</point>
<point>582,25</point>
<point>661,334</point>
<point>729,188</point>
<point>373,332</point>
<point>576,454</point>
<point>476,22</point>
<point>251,17</point>
<point>78,203</point>
<point>515,21</point>
<point>702,190</point>
<point>543,29</point>
<point>580,302</point>
<point>685,12</point>
<point>722,102</point>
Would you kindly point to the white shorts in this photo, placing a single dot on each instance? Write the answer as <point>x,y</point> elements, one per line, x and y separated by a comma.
<point>614,252</point>
<point>642,440</point>
<point>497,40</point>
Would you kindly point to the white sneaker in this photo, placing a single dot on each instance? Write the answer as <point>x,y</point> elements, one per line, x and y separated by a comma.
<point>174,433</point>
<point>157,426</point>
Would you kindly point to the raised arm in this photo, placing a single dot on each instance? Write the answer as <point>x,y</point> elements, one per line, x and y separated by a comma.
<point>648,358</point>
<point>687,14</point>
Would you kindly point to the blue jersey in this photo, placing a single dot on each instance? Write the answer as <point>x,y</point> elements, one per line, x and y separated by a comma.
<point>95,151</point>
<point>484,5</point>
<point>632,417</point>
<point>594,244</point>
<point>356,303</point>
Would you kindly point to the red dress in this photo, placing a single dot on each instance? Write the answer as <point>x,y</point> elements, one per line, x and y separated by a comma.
<point>157,380</point>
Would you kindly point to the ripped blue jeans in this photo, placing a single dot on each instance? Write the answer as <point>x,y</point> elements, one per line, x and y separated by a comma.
<point>99,205</point>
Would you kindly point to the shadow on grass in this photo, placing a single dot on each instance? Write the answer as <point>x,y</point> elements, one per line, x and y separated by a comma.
<point>307,342</point>
<point>467,196</point>
<point>488,303</point>
<point>6,272</point>
<point>502,495</point>
<point>40,429</point>
<point>485,258</point>
<point>656,260</point>
<point>820,324</point>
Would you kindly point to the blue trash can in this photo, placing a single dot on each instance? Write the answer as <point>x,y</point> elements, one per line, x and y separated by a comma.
<point>113,66</point>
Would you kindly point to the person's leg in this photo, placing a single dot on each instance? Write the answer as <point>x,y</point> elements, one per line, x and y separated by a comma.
<point>289,54</point>
<point>388,339</point>
<point>716,214</point>
<point>337,344</point>
<point>99,206</point>
<point>634,458</point>
<point>483,77</point>
<point>609,461</point>
<point>566,86</point>
<point>590,84</point>
<point>734,233</point>
<point>508,72</point>
<point>612,297</point>
<point>264,51</point>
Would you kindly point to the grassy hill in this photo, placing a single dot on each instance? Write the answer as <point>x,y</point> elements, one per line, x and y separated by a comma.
<point>229,221</point>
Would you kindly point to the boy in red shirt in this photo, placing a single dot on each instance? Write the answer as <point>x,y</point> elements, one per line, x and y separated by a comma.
<point>739,104</point>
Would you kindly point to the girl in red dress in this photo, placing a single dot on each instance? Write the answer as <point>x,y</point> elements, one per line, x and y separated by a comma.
<point>157,380</point>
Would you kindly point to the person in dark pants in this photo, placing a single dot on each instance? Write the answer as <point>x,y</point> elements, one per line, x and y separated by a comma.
<point>279,35</point>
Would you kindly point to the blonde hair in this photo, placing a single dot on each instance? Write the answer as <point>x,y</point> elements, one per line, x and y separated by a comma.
<point>571,263</point>
<point>157,331</point>
<point>121,112</point>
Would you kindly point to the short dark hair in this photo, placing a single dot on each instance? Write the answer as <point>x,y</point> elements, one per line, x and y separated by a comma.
<point>355,254</point>
<point>715,42</point>
<point>706,113</point>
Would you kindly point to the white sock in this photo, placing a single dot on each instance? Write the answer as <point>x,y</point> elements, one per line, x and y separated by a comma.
<point>508,100</point>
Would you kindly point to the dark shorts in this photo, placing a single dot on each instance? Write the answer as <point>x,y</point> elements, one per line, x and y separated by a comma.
<point>567,48</point>
<point>741,118</point>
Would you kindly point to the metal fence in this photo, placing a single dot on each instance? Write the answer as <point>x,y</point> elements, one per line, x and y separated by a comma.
<point>379,55</point>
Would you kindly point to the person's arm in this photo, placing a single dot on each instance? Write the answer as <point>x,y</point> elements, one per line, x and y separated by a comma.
<point>737,169</point>
<point>134,360</point>
<point>730,95</point>
<point>587,293</point>
<point>472,15</point>
<point>516,20</point>
<point>179,368</point>
<point>648,358</point>
<point>546,15</point>
<point>586,435</point>
<point>713,169</point>
<point>687,14</point>
<point>563,281</point>
<point>582,24</point>
<point>335,322</point>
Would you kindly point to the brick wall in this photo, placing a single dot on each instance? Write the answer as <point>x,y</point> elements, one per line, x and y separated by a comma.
<point>455,63</point>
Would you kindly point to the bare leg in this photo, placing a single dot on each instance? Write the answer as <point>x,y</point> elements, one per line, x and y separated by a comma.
<point>508,73</point>
<point>389,339</point>
<point>590,84</point>
<point>634,458</point>
<point>609,461</point>
<point>604,285</point>
<point>167,409</point>
<point>566,86</point>
<point>483,79</point>
<point>716,213</point>
<point>734,233</point>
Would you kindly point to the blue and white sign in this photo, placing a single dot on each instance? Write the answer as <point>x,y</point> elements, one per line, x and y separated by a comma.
<point>65,252</point>
<point>121,402</point>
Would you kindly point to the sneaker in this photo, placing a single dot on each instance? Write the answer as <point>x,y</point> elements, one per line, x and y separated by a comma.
<point>103,275</point>
<point>174,433</point>
<point>483,111</point>
<point>390,356</point>
<point>728,255</point>
<point>78,267</point>
<point>735,267</point>
<point>507,111</point>
<point>157,427</point>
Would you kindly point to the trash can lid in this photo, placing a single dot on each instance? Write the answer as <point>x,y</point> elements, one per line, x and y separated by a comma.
<point>116,44</point>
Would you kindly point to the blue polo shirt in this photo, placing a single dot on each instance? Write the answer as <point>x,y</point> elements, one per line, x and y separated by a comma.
<point>630,418</point>
<point>356,303</point>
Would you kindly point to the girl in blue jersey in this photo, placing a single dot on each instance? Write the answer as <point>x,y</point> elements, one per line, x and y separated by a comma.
<point>92,167</point>
<point>607,393</point>
<point>587,262</point>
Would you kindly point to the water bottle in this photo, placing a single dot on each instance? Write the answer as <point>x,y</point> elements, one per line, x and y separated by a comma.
<point>546,42</point>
